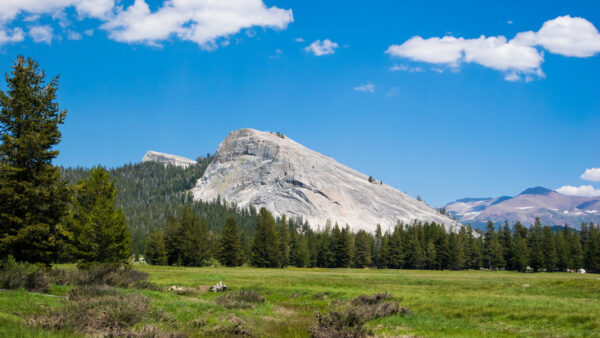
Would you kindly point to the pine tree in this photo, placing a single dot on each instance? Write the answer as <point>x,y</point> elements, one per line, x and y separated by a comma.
<point>396,249</point>
<point>196,246</point>
<point>362,249</point>
<point>342,247</point>
<point>174,237</point>
<point>563,252</point>
<point>534,243</point>
<point>33,198</point>
<point>576,251</point>
<point>265,246</point>
<point>96,229</point>
<point>376,247</point>
<point>430,256</point>
<point>155,252</point>
<point>549,249</point>
<point>519,252</point>
<point>384,257</point>
<point>284,245</point>
<point>230,248</point>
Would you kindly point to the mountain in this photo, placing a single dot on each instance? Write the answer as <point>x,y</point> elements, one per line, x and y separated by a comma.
<point>179,161</point>
<point>265,169</point>
<point>552,207</point>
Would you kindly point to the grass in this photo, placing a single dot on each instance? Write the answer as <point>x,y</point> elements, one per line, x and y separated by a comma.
<point>441,303</point>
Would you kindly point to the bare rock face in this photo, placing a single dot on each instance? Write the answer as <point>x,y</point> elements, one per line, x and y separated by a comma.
<point>269,170</point>
<point>154,156</point>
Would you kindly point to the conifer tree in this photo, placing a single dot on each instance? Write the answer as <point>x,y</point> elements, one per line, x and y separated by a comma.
<point>96,229</point>
<point>284,244</point>
<point>342,247</point>
<point>362,249</point>
<point>196,246</point>
<point>376,247</point>
<point>230,247</point>
<point>430,256</point>
<point>534,243</point>
<point>549,249</point>
<point>396,249</point>
<point>576,251</point>
<point>33,198</point>
<point>384,256</point>
<point>155,252</point>
<point>174,238</point>
<point>301,254</point>
<point>265,246</point>
<point>519,252</point>
<point>563,252</point>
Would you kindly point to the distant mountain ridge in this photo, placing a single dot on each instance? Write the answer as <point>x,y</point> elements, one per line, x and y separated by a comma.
<point>553,208</point>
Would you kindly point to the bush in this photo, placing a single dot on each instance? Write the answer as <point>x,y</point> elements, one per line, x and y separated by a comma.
<point>232,326</point>
<point>349,320</point>
<point>96,310</point>
<point>111,274</point>
<point>15,275</point>
<point>245,299</point>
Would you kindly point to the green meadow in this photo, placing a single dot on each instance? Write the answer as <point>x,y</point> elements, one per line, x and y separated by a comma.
<point>440,303</point>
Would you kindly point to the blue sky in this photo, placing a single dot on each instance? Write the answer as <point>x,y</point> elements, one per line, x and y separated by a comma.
<point>427,97</point>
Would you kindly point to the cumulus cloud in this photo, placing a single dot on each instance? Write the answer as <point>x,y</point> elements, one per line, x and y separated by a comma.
<point>367,87</point>
<point>522,55</point>
<point>592,174</point>
<point>201,21</point>
<point>41,34</point>
<point>583,190</point>
<point>12,36</point>
<point>72,35</point>
<point>320,48</point>
<point>299,39</point>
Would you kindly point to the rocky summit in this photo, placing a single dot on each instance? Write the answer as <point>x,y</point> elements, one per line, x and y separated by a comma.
<point>154,156</point>
<point>266,169</point>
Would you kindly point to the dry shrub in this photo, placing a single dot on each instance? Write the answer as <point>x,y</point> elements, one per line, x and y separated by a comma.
<point>96,310</point>
<point>232,326</point>
<point>244,299</point>
<point>116,275</point>
<point>349,320</point>
<point>15,275</point>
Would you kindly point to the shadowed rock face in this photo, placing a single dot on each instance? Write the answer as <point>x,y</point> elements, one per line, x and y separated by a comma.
<point>153,156</point>
<point>266,170</point>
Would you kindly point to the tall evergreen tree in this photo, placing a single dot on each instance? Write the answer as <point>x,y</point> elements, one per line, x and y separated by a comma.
<point>196,245</point>
<point>534,242</point>
<point>284,244</point>
<point>362,249</point>
<point>519,251</point>
<point>230,247</point>
<point>174,238</point>
<point>342,247</point>
<point>96,229</point>
<point>155,252</point>
<point>33,198</point>
<point>265,246</point>
<point>396,249</point>
<point>549,249</point>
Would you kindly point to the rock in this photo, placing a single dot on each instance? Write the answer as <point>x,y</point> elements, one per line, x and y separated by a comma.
<point>153,156</point>
<point>218,287</point>
<point>581,271</point>
<point>266,170</point>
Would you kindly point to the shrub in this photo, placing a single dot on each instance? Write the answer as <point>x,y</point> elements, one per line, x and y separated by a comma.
<point>96,310</point>
<point>231,326</point>
<point>244,299</point>
<point>349,320</point>
<point>15,275</point>
<point>112,274</point>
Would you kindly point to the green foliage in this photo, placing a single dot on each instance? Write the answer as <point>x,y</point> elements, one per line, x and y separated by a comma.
<point>33,199</point>
<point>230,248</point>
<point>265,245</point>
<point>155,252</point>
<point>95,228</point>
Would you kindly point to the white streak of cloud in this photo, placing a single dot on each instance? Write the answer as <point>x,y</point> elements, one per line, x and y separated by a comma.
<point>592,174</point>
<point>367,88</point>
<point>320,48</point>
<point>583,190</point>
<point>41,34</point>
<point>563,35</point>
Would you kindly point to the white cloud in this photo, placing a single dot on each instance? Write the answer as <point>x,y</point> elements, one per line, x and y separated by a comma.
<point>406,68</point>
<point>367,87</point>
<point>41,34</point>
<point>320,48</point>
<point>72,35</point>
<point>277,55</point>
<point>583,190</point>
<point>200,21</point>
<point>299,39</point>
<point>509,22</point>
<point>564,35</point>
<point>15,35</point>
<point>592,174</point>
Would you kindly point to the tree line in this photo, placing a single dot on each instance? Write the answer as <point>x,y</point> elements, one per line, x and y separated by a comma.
<point>278,242</point>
